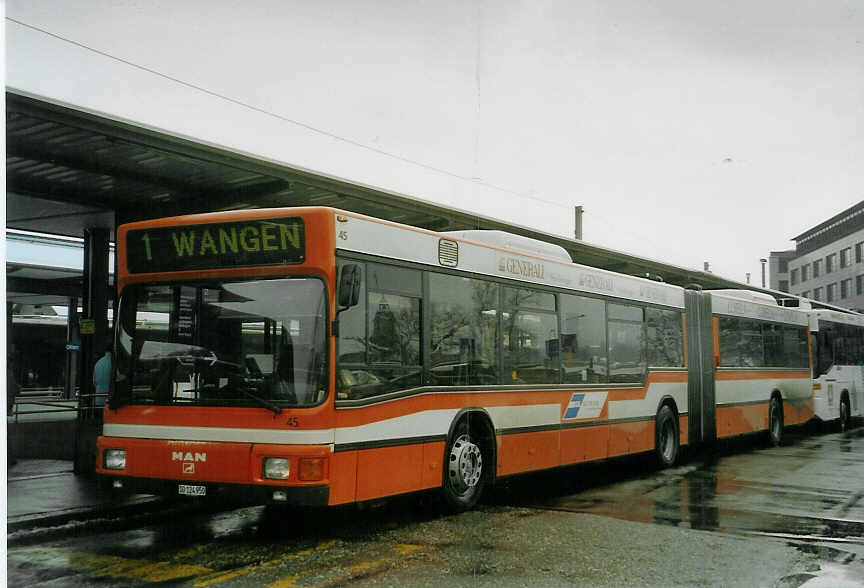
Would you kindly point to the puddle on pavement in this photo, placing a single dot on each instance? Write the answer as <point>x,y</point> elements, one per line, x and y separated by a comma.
<point>727,492</point>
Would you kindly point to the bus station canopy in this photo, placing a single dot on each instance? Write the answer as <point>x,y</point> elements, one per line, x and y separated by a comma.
<point>68,171</point>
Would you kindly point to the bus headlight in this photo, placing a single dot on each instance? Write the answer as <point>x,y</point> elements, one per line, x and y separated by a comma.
<point>114,459</point>
<point>277,468</point>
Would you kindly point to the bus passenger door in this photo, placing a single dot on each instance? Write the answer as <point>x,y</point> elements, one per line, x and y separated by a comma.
<point>701,410</point>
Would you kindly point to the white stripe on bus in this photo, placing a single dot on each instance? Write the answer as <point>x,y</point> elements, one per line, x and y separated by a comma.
<point>220,434</point>
<point>417,425</point>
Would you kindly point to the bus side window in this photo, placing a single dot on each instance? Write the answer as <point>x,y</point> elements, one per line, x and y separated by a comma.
<point>626,343</point>
<point>665,337</point>
<point>379,347</point>
<point>530,337</point>
<point>351,345</point>
<point>729,338</point>
<point>464,331</point>
<point>583,340</point>
<point>826,349</point>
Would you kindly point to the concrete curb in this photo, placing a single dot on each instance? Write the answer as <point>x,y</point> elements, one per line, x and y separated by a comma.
<point>134,506</point>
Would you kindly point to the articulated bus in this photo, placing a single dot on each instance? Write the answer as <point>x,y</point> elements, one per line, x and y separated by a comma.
<point>313,356</point>
<point>838,366</point>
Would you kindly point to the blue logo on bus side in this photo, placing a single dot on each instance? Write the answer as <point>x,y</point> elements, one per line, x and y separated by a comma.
<point>574,406</point>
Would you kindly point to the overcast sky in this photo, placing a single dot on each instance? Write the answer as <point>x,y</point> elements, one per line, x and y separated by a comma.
<point>689,130</point>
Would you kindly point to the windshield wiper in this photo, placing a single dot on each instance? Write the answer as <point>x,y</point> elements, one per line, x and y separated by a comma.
<point>277,410</point>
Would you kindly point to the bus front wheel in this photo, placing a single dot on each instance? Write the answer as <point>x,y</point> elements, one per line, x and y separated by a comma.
<point>464,476</point>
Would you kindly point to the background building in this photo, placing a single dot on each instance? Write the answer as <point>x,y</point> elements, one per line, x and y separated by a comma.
<point>778,269</point>
<point>828,261</point>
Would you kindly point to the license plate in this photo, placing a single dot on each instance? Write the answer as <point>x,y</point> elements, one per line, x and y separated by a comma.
<point>189,490</point>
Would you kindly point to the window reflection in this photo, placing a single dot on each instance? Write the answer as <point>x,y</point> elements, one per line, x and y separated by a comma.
<point>380,340</point>
<point>232,343</point>
<point>464,331</point>
<point>530,337</point>
<point>583,340</point>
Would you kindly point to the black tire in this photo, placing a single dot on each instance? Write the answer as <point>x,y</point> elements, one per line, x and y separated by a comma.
<point>666,437</point>
<point>844,414</point>
<point>775,421</point>
<point>465,464</point>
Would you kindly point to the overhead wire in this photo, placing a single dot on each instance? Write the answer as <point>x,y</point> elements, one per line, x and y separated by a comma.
<point>286,119</point>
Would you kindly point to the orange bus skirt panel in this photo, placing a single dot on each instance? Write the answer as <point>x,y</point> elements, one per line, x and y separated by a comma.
<point>584,443</point>
<point>385,471</point>
<point>526,452</point>
<point>433,464</point>
<point>798,415</point>
<point>632,437</point>
<point>684,429</point>
<point>743,419</point>
<point>343,470</point>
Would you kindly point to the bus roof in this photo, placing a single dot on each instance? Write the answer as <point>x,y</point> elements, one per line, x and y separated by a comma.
<point>497,257</point>
<point>836,317</point>
<point>732,304</point>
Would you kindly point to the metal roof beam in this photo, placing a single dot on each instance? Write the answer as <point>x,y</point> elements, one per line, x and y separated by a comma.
<point>60,287</point>
<point>247,194</point>
<point>73,194</point>
<point>92,162</point>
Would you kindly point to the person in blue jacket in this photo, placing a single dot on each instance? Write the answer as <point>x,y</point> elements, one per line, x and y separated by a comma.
<point>102,377</point>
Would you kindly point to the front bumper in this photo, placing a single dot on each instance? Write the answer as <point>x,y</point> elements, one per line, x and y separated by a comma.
<point>236,493</point>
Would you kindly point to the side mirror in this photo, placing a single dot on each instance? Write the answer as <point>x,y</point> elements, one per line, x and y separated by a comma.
<point>349,286</point>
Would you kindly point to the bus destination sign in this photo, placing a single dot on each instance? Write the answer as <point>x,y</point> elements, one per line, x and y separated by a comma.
<point>216,245</point>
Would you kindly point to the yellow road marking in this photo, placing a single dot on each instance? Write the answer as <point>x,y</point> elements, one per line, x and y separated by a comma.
<point>363,566</point>
<point>112,565</point>
<point>353,572</point>
<point>222,576</point>
<point>191,552</point>
<point>406,548</point>
<point>288,581</point>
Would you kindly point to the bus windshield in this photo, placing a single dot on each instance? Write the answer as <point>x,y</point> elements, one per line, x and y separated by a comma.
<point>244,343</point>
<point>837,344</point>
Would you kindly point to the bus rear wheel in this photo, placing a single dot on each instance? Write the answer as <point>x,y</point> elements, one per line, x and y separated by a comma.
<point>666,439</point>
<point>464,476</point>
<point>844,414</point>
<point>775,421</point>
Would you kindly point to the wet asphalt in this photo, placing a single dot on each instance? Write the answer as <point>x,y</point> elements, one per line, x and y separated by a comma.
<point>737,514</point>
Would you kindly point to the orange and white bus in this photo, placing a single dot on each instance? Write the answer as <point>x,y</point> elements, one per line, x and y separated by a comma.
<point>763,365</point>
<point>319,357</point>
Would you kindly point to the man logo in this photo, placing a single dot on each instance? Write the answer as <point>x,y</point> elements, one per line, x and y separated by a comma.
<point>188,456</point>
<point>189,460</point>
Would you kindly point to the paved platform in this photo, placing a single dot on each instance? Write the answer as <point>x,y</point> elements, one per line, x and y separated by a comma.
<point>46,492</point>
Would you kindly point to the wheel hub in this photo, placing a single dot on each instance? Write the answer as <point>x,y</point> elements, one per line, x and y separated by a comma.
<point>466,464</point>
